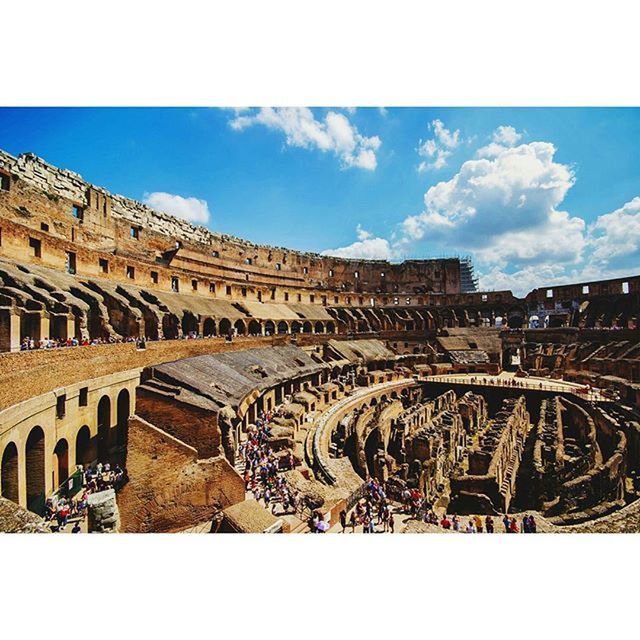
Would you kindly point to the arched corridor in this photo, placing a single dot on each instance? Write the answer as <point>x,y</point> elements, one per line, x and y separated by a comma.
<point>35,470</point>
<point>104,427</point>
<point>60,463</point>
<point>122,425</point>
<point>84,453</point>
<point>9,472</point>
<point>209,327</point>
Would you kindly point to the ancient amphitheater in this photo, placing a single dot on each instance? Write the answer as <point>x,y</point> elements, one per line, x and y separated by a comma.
<point>134,339</point>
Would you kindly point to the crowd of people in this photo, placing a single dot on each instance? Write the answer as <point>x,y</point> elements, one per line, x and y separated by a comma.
<point>30,344</point>
<point>375,514</point>
<point>60,509</point>
<point>262,467</point>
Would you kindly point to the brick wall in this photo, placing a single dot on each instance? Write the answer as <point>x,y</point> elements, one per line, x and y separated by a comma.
<point>170,488</point>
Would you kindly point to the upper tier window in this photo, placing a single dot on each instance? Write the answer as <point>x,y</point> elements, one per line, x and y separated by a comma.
<point>5,182</point>
<point>135,233</point>
<point>77,212</point>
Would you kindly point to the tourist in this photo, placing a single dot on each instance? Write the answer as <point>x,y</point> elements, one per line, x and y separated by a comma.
<point>477,521</point>
<point>76,527</point>
<point>488,523</point>
<point>445,523</point>
<point>506,523</point>
<point>532,525</point>
<point>513,526</point>
<point>343,520</point>
<point>525,524</point>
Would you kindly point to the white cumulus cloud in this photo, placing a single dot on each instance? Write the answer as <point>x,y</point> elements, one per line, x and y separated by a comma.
<point>439,148</point>
<point>190,209</point>
<point>504,208</point>
<point>335,133</point>
<point>503,137</point>
<point>367,247</point>
<point>616,235</point>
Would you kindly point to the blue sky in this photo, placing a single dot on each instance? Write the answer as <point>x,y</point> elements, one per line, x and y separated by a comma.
<point>536,196</point>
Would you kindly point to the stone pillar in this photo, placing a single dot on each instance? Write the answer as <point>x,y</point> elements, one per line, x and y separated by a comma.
<point>104,516</point>
<point>71,326</point>
<point>22,474</point>
<point>45,326</point>
<point>9,330</point>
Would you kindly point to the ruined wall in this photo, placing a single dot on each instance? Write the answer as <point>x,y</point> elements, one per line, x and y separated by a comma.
<point>170,488</point>
<point>192,425</point>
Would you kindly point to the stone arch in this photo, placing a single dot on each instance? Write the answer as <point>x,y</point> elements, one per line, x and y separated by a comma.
<point>269,327</point>
<point>104,427</point>
<point>84,453</point>
<point>9,472</point>
<point>225,326</point>
<point>123,412</point>
<point>307,327</point>
<point>189,323</point>
<point>254,328</point>
<point>296,327</point>
<point>240,327</point>
<point>283,327</point>
<point>331,327</point>
<point>209,327</point>
<point>170,326</point>
<point>60,463</point>
<point>319,327</point>
<point>34,452</point>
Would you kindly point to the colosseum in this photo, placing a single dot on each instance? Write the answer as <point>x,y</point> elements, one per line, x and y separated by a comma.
<point>160,377</point>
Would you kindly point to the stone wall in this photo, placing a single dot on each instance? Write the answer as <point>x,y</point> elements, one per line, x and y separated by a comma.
<point>170,489</point>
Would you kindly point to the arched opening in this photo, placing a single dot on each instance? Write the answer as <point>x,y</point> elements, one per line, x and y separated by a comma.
<point>319,327</point>
<point>296,327</point>
<point>104,426</point>
<point>170,326</point>
<point>283,327</point>
<point>189,324</point>
<point>9,472</point>
<point>84,453</point>
<point>240,327</point>
<point>150,328</point>
<point>254,328</point>
<point>209,327</point>
<point>331,328</point>
<point>307,327</point>
<point>30,326</point>
<point>122,425</point>
<point>225,327</point>
<point>269,328</point>
<point>35,471</point>
<point>60,463</point>
<point>371,449</point>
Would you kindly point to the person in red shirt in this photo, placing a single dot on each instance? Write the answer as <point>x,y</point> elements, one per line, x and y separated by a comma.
<point>445,523</point>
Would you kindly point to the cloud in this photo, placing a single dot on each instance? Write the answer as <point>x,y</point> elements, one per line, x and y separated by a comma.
<point>190,209</point>
<point>439,148</point>
<point>616,235</point>
<point>334,134</point>
<point>505,209</point>
<point>368,247</point>
<point>502,138</point>
<point>502,208</point>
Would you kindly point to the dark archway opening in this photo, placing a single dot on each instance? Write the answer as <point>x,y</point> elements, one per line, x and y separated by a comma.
<point>225,327</point>
<point>84,453</point>
<point>283,327</point>
<point>122,425</point>
<point>60,463</point>
<point>35,471</point>
<point>170,327</point>
<point>10,473</point>
<point>254,328</point>
<point>104,427</point>
<point>240,327</point>
<point>209,328</point>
